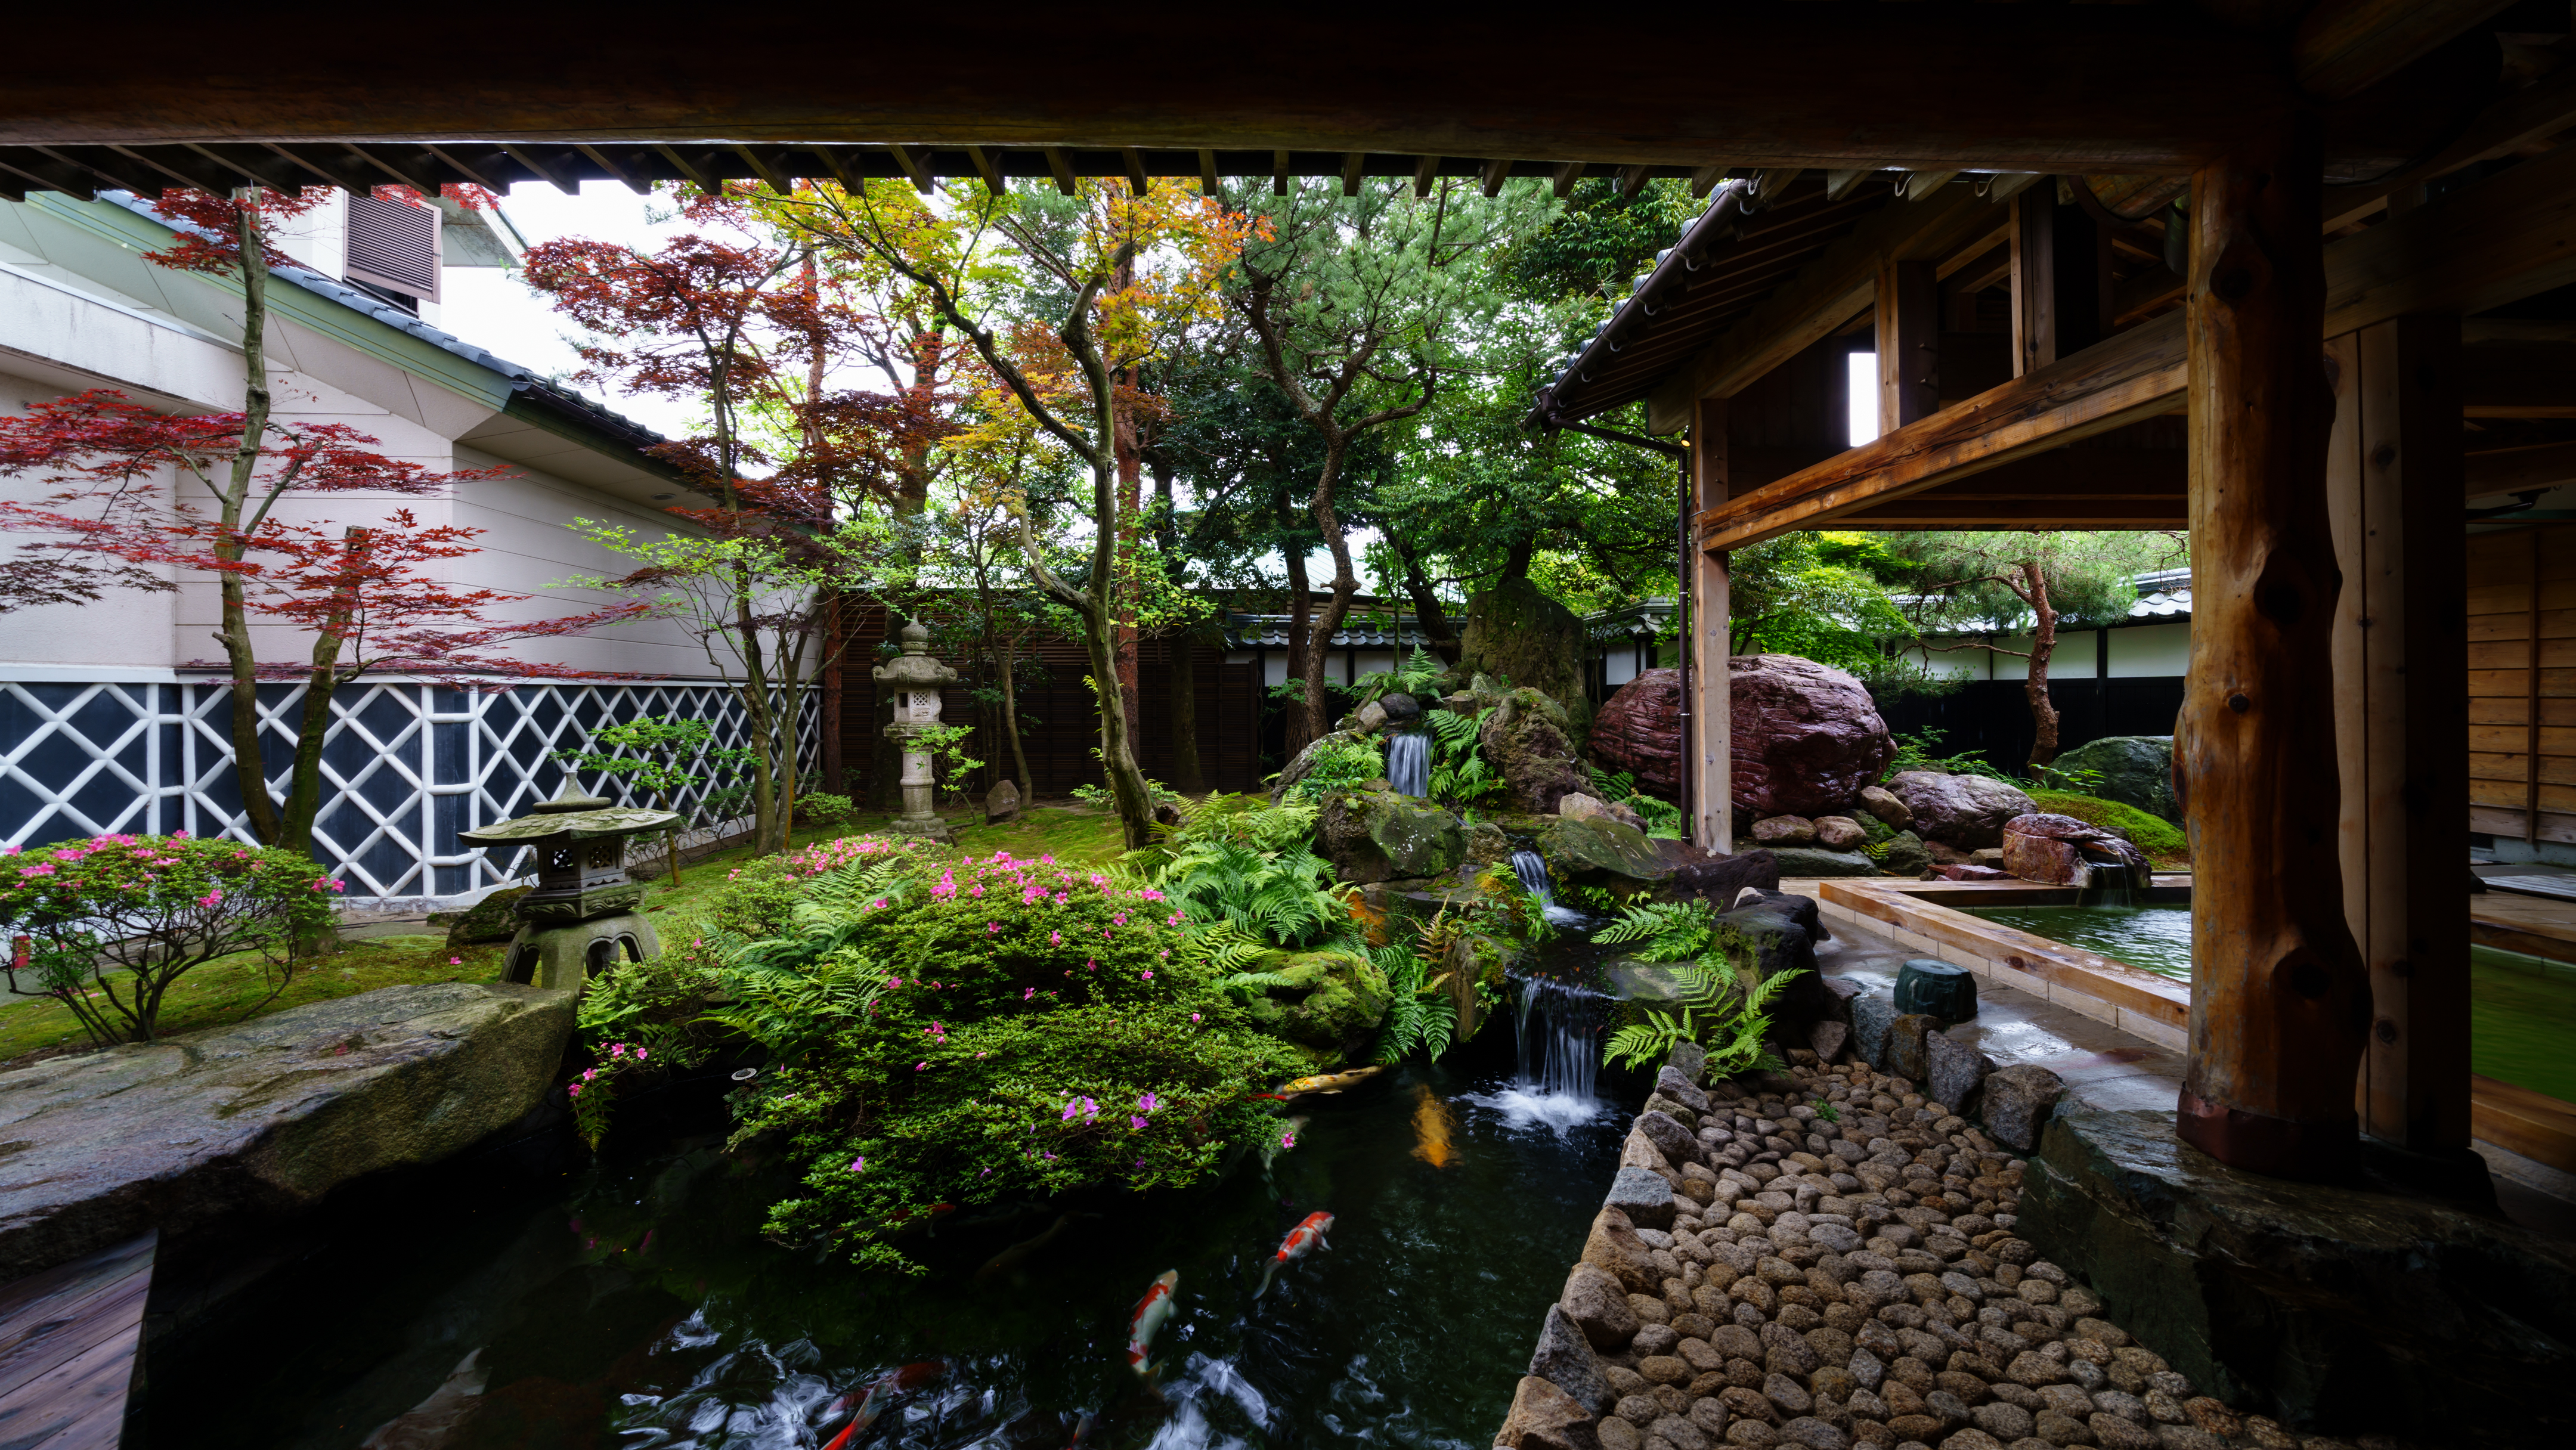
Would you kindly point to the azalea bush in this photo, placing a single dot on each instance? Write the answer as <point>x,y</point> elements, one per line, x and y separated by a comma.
<point>105,926</point>
<point>1004,1029</point>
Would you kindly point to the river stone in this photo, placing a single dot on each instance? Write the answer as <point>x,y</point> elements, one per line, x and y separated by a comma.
<point>1601,852</point>
<point>1668,1135</point>
<point>1871,1016</point>
<point>1672,1083</point>
<point>1883,803</point>
<point>1905,1037</point>
<point>1689,1059</point>
<point>1905,855</point>
<point>1784,831</point>
<point>1599,1307</point>
<point>1644,1196</point>
<point>2112,1432</point>
<point>1806,737</point>
<point>1565,1359</point>
<point>1331,1001</point>
<point>2137,770</point>
<point>2017,1104</point>
<point>1812,861</point>
<point>1840,833</point>
<point>1953,1069</point>
<point>1544,1417</point>
<point>1800,909</point>
<point>1964,812</point>
<point>1002,802</point>
<point>1639,730</point>
<point>265,1117</point>
<point>1826,1039</point>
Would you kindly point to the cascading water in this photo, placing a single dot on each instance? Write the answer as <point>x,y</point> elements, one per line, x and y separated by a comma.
<point>1531,868</point>
<point>1559,1033</point>
<point>1408,763</point>
<point>2110,883</point>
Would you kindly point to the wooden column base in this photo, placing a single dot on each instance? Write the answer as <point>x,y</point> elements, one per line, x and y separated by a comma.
<point>2261,1143</point>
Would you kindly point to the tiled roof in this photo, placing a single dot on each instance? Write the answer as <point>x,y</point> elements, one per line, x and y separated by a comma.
<point>1270,631</point>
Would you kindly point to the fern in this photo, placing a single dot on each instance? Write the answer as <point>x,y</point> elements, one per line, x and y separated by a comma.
<point>1252,869</point>
<point>1733,1033</point>
<point>786,991</point>
<point>1673,931</point>
<point>1420,1015</point>
<point>1460,773</point>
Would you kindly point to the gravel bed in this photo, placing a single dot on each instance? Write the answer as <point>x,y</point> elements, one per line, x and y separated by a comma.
<point>1828,1260</point>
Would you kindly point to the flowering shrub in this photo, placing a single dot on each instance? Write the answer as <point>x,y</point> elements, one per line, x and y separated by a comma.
<point>1008,1028</point>
<point>113,921</point>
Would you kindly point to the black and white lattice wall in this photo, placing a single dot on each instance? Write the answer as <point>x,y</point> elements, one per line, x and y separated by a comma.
<point>406,766</point>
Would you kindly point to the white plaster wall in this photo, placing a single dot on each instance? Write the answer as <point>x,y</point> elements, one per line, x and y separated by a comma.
<point>2151,650</point>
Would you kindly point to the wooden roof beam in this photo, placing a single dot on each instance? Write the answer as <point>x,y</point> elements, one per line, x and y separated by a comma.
<point>545,171</point>
<point>2527,117</point>
<point>1207,172</point>
<point>1496,173</point>
<point>615,171</point>
<point>1423,171</point>
<point>1060,167</point>
<point>2494,241</point>
<point>1134,162</point>
<point>1352,169</point>
<point>2343,46</point>
<point>912,161</point>
<point>981,158</point>
<point>1563,178</point>
<point>1703,181</point>
<point>689,173</point>
<point>2518,470</point>
<point>2112,384</point>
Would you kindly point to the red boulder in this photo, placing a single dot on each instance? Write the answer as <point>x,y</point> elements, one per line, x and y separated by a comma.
<point>1639,730</point>
<point>1806,737</point>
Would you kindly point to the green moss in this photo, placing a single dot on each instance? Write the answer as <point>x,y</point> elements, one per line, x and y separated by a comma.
<point>1333,1002</point>
<point>2164,843</point>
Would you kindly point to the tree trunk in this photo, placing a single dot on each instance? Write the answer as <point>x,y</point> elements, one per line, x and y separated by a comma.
<point>835,776</point>
<point>1117,749</point>
<point>250,771</point>
<point>2043,643</point>
<point>1427,614</point>
<point>1187,777</point>
<point>1346,584</point>
<point>1301,607</point>
<point>1011,721</point>
<point>1128,590</point>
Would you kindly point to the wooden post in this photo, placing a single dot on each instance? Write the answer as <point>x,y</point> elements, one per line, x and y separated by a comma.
<point>1909,344</point>
<point>2060,280</point>
<point>2394,484</point>
<point>1712,772</point>
<point>2280,1004</point>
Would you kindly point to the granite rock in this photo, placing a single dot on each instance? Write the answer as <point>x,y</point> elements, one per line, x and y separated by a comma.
<point>1953,1069</point>
<point>1964,812</point>
<point>1644,1196</point>
<point>2017,1103</point>
<point>1544,1417</point>
<point>1599,1307</point>
<point>1639,730</point>
<point>1565,1359</point>
<point>1806,737</point>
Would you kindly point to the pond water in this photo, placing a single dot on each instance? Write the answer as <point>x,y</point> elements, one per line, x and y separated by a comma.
<point>631,1302</point>
<point>2522,1009</point>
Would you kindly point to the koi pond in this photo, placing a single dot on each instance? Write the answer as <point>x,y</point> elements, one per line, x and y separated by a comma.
<point>632,1302</point>
<point>2522,1009</point>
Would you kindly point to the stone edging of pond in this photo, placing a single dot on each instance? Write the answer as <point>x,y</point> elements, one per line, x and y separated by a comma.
<point>1761,1274</point>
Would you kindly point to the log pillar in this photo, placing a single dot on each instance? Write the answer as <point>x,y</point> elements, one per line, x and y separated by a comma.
<point>2394,485</point>
<point>1909,344</point>
<point>2280,1004</point>
<point>1712,813</point>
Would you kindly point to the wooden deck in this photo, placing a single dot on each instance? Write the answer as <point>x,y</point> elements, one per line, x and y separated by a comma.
<point>67,1342</point>
<point>2517,923</point>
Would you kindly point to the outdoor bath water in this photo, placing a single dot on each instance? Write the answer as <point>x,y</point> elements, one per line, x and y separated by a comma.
<point>633,1303</point>
<point>2522,1009</point>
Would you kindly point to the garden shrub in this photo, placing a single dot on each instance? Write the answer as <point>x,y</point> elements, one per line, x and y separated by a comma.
<point>1007,1029</point>
<point>1340,762</point>
<point>823,812</point>
<point>113,921</point>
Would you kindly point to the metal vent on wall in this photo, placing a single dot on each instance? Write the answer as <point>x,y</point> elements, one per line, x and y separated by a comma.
<point>394,245</point>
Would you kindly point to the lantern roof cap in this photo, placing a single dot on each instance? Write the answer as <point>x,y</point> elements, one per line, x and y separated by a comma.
<point>573,814</point>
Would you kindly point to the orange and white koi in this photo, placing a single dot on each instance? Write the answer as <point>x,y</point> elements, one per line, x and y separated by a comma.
<point>1151,1311</point>
<point>873,1400</point>
<point>1331,1083</point>
<point>1301,1241</point>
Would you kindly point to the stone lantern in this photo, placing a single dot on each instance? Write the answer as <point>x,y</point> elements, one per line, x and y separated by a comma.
<point>916,678</point>
<point>583,908</point>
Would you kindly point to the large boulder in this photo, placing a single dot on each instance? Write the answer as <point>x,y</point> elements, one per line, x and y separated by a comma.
<point>1805,737</point>
<point>1378,835</point>
<point>493,919</point>
<point>1639,730</point>
<point>1330,1004</point>
<point>1767,940</point>
<point>1517,632</point>
<point>1528,740</point>
<point>2135,770</point>
<point>1303,762</point>
<point>1808,861</point>
<point>1721,879</point>
<point>265,1117</point>
<point>1600,852</point>
<point>2063,851</point>
<point>1964,812</point>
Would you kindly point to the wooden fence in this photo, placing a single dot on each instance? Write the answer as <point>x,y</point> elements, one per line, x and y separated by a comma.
<point>2522,683</point>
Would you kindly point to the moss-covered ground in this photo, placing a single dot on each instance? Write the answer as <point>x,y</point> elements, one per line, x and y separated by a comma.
<point>230,990</point>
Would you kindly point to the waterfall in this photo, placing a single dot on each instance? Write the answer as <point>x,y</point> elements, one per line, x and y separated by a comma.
<point>1408,763</point>
<point>1559,1033</point>
<point>2110,883</point>
<point>1531,868</point>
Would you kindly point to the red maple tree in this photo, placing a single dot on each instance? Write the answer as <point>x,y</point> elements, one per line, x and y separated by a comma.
<point>359,590</point>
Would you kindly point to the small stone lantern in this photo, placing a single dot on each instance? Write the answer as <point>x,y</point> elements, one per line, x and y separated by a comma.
<point>916,678</point>
<point>583,908</point>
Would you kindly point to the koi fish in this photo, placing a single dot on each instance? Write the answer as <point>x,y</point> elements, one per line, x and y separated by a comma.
<point>1432,1125</point>
<point>1331,1083</point>
<point>1151,1311</point>
<point>1301,1241</point>
<point>872,1400</point>
<point>1017,1254</point>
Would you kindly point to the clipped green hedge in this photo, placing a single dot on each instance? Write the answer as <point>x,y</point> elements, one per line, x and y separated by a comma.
<point>2162,840</point>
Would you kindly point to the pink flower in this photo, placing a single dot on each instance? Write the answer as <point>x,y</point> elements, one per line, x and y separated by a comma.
<point>1135,1122</point>
<point>618,1050</point>
<point>1055,938</point>
<point>1027,994</point>
<point>456,961</point>
<point>1194,1017</point>
<point>1071,1107</point>
<point>858,1165</point>
<point>921,1067</point>
<point>992,926</point>
<point>1145,1103</point>
<point>641,1054</point>
<point>1149,976</point>
<point>1287,1140</point>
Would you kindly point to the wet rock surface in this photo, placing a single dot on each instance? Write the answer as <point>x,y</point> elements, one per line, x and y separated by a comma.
<point>1806,738</point>
<point>1856,1275</point>
<point>265,1117</point>
<point>2136,770</point>
<point>1964,812</point>
<point>1639,730</point>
